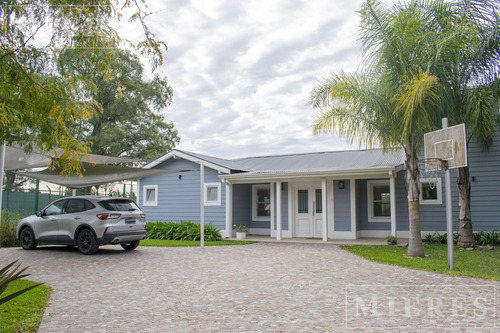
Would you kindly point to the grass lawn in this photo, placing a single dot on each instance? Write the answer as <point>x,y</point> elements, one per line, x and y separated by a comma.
<point>23,313</point>
<point>175,243</point>
<point>477,264</point>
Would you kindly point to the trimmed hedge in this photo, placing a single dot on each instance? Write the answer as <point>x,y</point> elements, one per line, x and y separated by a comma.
<point>184,230</point>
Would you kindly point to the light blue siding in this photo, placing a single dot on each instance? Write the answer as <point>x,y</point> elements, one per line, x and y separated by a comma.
<point>242,204</point>
<point>342,206</point>
<point>179,198</point>
<point>484,166</point>
<point>242,207</point>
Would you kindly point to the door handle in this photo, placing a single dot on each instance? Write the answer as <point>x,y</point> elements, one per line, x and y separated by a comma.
<point>77,217</point>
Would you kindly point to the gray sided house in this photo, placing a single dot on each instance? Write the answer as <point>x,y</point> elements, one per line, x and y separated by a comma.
<point>329,195</point>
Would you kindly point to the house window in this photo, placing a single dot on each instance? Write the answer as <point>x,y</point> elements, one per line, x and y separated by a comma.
<point>261,202</point>
<point>431,191</point>
<point>379,201</point>
<point>150,195</point>
<point>212,194</point>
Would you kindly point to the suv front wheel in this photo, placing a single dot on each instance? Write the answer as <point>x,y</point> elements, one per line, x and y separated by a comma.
<point>27,239</point>
<point>86,241</point>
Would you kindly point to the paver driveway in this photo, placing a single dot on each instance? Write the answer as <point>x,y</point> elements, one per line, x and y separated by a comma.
<point>257,287</point>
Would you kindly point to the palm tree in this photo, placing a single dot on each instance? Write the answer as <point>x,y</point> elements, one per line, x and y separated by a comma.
<point>425,60</point>
<point>470,81</point>
<point>396,99</point>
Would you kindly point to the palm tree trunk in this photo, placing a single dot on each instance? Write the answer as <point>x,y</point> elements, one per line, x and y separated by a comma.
<point>415,245</point>
<point>466,237</point>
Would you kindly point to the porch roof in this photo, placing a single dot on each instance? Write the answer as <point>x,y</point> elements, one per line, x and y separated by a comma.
<point>333,164</point>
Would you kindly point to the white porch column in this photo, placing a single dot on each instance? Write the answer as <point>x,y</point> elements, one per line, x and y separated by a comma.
<point>324,209</point>
<point>229,209</point>
<point>393,203</point>
<point>278,211</point>
<point>272,233</point>
<point>202,204</point>
<point>354,229</point>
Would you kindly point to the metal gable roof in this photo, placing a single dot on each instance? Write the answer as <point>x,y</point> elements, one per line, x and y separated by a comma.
<point>324,161</point>
<point>307,162</point>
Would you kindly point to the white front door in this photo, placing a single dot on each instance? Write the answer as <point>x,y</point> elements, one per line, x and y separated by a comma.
<point>308,211</point>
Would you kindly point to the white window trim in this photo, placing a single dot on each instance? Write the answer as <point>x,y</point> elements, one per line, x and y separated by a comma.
<point>439,188</point>
<point>144,195</point>
<point>254,202</point>
<point>370,184</point>
<point>211,203</point>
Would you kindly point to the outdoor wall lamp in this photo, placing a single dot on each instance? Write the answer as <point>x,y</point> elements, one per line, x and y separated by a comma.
<point>341,185</point>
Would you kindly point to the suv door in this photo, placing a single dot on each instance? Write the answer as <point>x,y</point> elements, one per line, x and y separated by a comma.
<point>47,225</point>
<point>75,215</point>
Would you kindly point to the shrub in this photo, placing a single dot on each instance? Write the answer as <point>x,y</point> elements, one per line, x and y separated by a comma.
<point>184,230</point>
<point>8,229</point>
<point>439,238</point>
<point>487,237</point>
<point>7,276</point>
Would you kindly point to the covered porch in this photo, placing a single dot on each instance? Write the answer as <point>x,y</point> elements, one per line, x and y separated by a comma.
<point>313,206</point>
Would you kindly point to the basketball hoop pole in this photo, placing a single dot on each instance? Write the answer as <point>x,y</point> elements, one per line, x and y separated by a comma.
<point>449,212</point>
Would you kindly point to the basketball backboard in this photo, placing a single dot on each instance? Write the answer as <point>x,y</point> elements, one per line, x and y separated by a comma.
<point>448,144</point>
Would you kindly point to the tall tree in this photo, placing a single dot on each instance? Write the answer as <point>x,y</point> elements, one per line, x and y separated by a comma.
<point>396,99</point>
<point>37,106</point>
<point>470,80</point>
<point>130,122</point>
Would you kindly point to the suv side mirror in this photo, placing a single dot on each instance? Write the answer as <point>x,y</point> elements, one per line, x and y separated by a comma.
<point>40,213</point>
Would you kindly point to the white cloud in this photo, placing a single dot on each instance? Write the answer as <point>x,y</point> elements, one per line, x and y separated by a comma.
<point>242,71</point>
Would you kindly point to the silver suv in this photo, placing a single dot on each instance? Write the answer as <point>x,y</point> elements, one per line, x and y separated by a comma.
<point>84,221</point>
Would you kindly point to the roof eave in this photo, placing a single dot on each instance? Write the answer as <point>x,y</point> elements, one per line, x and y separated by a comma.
<point>349,173</point>
<point>179,154</point>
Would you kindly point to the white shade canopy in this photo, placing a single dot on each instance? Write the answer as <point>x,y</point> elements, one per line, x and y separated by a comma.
<point>95,175</point>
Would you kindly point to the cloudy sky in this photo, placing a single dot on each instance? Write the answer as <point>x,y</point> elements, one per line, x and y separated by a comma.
<point>242,71</point>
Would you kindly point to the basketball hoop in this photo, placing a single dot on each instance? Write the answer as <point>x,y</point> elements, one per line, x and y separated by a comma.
<point>429,169</point>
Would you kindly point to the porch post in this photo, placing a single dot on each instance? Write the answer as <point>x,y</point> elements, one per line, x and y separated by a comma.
<point>354,228</point>
<point>229,209</point>
<point>202,204</point>
<point>273,207</point>
<point>278,210</point>
<point>324,209</point>
<point>393,203</point>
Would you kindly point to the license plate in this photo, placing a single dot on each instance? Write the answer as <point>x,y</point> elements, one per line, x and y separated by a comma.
<point>130,221</point>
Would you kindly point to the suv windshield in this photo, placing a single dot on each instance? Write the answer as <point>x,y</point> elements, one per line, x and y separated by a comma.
<point>119,205</point>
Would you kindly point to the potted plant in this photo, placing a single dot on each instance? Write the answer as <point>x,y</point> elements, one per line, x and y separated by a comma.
<point>241,231</point>
<point>392,240</point>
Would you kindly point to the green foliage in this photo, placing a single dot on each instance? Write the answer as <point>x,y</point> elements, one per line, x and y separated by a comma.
<point>130,122</point>
<point>482,238</point>
<point>8,229</point>
<point>487,237</point>
<point>178,243</point>
<point>184,230</point>
<point>40,109</point>
<point>240,228</point>
<point>477,264</point>
<point>7,277</point>
<point>392,239</point>
<point>24,313</point>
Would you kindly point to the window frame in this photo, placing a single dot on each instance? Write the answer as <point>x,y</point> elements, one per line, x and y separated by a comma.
<point>439,188</point>
<point>255,217</point>
<point>370,185</point>
<point>205,194</point>
<point>145,189</point>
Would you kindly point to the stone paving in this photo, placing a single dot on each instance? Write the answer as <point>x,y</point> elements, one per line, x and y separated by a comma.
<point>263,287</point>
